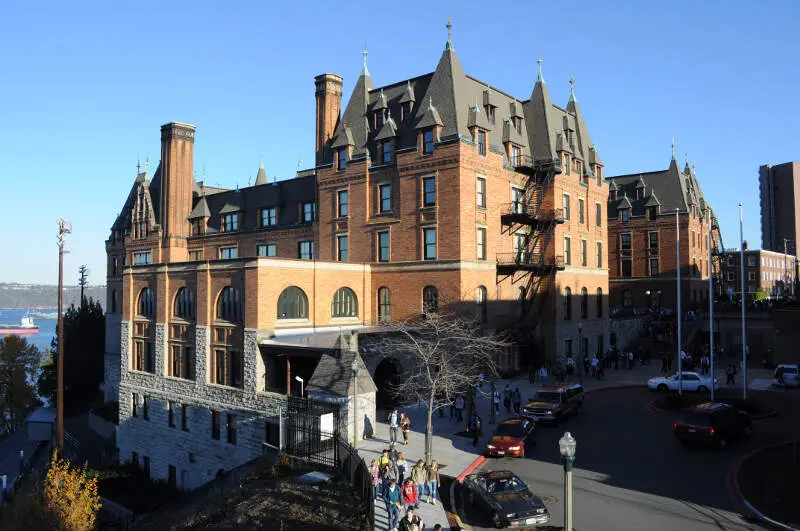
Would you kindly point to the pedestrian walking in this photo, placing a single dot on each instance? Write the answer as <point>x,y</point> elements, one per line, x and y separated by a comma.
<point>411,522</point>
<point>394,502</point>
<point>731,374</point>
<point>630,359</point>
<point>410,493</point>
<point>383,460</point>
<point>460,408</point>
<point>419,475</point>
<point>475,428</point>
<point>517,399</point>
<point>601,372</point>
<point>586,365</point>
<point>543,375</point>
<point>433,482</point>
<point>394,424</point>
<point>570,365</point>
<point>402,467</point>
<point>507,398</point>
<point>375,474</point>
<point>496,401</point>
<point>595,365</point>
<point>405,426</point>
<point>390,474</point>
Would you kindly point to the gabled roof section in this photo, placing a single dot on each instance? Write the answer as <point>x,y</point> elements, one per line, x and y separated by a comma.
<point>582,140</point>
<point>355,117</point>
<point>343,137</point>
<point>612,186</point>
<point>389,129</point>
<point>538,118</point>
<point>652,200</point>
<point>408,94</point>
<point>429,117</point>
<point>640,183</point>
<point>334,374</point>
<point>447,90</point>
<point>200,209</point>
<point>141,183</point>
<point>477,117</point>
<point>233,202</point>
<point>381,103</point>
<point>510,133</point>
<point>562,144</point>
<point>594,156</point>
<point>261,176</point>
<point>624,203</point>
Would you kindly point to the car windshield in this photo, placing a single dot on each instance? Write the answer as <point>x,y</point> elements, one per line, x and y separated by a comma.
<point>508,484</point>
<point>693,418</point>
<point>548,396</point>
<point>511,430</point>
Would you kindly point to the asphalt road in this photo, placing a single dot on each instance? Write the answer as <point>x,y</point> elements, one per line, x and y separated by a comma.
<point>632,474</point>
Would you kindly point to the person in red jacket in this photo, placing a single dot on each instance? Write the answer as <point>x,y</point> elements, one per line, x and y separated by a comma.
<point>410,494</point>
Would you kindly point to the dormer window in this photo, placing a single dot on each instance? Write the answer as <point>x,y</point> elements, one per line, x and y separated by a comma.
<point>405,111</point>
<point>490,113</point>
<point>230,222</point>
<point>516,155</point>
<point>639,193</point>
<point>566,163</point>
<point>198,227</point>
<point>481,142</point>
<point>612,195</point>
<point>386,149</point>
<point>652,212</point>
<point>378,119</point>
<point>341,158</point>
<point>625,214</point>
<point>427,141</point>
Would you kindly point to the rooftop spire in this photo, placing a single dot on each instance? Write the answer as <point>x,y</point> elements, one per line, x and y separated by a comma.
<point>539,61</point>
<point>138,167</point>
<point>449,45</point>
<point>364,52</point>
<point>673,148</point>
<point>571,87</point>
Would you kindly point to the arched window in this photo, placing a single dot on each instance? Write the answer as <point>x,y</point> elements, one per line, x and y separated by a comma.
<point>599,302</point>
<point>584,303</point>
<point>384,304</point>
<point>430,299</point>
<point>345,303</point>
<point>567,304</point>
<point>147,305</point>
<point>184,304</point>
<point>229,305</point>
<point>480,301</point>
<point>293,304</point>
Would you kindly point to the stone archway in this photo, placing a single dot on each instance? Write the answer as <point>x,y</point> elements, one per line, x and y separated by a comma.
<point>387,374</point>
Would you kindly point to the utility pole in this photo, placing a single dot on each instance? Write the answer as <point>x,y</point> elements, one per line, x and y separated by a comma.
<point>64,228</point>
<point>711,306</point>
<point>744,324</point>
<point>680,317</point>
<point>785,242</point>
<point>83,280</point>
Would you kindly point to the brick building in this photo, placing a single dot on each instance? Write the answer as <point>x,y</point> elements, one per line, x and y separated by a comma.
<point>642,228</point>
<point>779,190</point>
<point>768,272</point>
<point>434,192</point>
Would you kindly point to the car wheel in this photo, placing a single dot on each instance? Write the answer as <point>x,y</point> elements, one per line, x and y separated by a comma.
<point>662,388</point>
<point>702,389</point>
<point>497,521</point>
<point>722,443</point>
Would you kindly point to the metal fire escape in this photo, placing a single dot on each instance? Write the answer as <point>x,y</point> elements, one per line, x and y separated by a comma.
<point>532,220</point>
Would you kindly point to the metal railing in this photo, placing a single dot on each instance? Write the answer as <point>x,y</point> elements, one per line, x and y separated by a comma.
<point>523,258</point>
<point>541,214</point>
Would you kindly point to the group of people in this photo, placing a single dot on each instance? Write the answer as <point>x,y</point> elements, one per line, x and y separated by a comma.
<point>399,421</point>
<point>402,488</point>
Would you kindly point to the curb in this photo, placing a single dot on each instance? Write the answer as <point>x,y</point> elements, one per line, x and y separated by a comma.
<point>467,471</point>
<point>741,500</point>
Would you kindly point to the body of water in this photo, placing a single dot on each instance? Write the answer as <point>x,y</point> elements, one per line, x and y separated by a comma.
<point>47,327</point>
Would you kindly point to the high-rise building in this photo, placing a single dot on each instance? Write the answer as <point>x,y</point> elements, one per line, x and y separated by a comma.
<point>779,188</point>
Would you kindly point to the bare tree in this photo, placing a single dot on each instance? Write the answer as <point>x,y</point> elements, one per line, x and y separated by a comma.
<point>443,356</point>
<point>83,281</point>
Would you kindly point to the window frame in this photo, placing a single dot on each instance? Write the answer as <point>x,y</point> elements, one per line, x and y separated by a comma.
<point>480,243</point>
<point>598,214</point>
<point>341,159</point>
<point>384,203</point>
<point>567,250</point>
<point>384,304</point>
<point>342,207</point>
<point>567,304</point>
<point>269,217</point>
<point>428,142</point>
<point>308,211</point>
<point>298,303</point>
<point>386,154</point>
<point>584,303</point>
<point>599,254</point>
<point>581,211</point>
<point>481,303</point>
<point>228,252</point>
<point>230,222</point>
<point>565,200</point>
<point>309,246</point>
<point>428,196</point>
<point>344,304</point>
<point>230,305</point>
<point>480,191</point>
<point>430,299</point>
<point>481,142</point>
<point>428,246</point>
<point>342,251</point>
<point>380,246</point>
<point>599,303</point>
<point>584,253</point>
<point>267,247</point>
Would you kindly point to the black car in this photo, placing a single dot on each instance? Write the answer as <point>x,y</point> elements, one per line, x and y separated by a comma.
<point>507,499</point>
<point>712,423</point>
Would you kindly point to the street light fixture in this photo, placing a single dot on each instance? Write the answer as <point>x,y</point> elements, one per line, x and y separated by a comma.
<point>355,366</point>
<point>301,384</point>
<point>581,367</point>
<point>566,446</point>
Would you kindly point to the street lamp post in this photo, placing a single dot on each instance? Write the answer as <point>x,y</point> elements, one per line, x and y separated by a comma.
<point>680,316</point>
<point>711,309</point>
<point>355,368</point>
<point>301,384</point>
<point>64,228</point>
<point>744,328</point>
<point>566,446</point>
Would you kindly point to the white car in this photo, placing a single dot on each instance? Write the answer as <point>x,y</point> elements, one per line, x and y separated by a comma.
<point>690,381</point>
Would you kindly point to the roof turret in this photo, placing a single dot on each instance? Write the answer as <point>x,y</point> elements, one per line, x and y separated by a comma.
<point>261,176</point>
<point>408,95</point>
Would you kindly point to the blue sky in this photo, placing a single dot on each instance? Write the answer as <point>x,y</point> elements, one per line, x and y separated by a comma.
<point>85,86</point>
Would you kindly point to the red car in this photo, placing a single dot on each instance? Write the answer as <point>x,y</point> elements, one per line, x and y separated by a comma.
<point>511,437</point>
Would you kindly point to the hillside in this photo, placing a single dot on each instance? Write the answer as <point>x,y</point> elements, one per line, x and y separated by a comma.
<point>26,296</point>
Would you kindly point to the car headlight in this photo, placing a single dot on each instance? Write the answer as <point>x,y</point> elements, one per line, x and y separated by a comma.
<point>490,446</point>
<point>511,515</point>
<point>513,448</point>
<point>548,412</point>
<point>539,510</point>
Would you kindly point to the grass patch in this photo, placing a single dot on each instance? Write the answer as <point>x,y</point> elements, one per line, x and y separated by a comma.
<point>770,480</point>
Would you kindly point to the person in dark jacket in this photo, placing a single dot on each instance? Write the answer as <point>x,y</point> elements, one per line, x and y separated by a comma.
<point>394,502</point>
<point>410,522</point>
<point>475,428</point>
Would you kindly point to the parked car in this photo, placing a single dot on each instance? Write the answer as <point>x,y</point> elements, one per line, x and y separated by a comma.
<point>786,376</point>
<point>511,437</point>
<point>552,404</point>
<point>691,381</point>
<point>507,499</point>
<point>712,423</point>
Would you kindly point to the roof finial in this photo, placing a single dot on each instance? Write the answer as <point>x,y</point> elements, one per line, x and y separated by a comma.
<point>541,77</point>
<point>261,165</point>
<point>673,148</point>
<point>364,52</point>
<point>147,163</point>
<point>299,164</point>
<point>572,86</point>
<point>687,158</point>
<point>449,30</point>
<point>138,167</point>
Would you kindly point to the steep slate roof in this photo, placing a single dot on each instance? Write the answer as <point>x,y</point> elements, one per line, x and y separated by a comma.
<point>453,94</point>
<point>334,371</point>
<point>151,192</point>
<point>261,176</point>
<point>673,188</point>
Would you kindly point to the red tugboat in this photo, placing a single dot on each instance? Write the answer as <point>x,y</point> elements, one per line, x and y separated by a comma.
<point>26,327</point>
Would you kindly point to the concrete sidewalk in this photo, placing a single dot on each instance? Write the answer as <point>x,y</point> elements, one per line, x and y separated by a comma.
<point>455,453</point>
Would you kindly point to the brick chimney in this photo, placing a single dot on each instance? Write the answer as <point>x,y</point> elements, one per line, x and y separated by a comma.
<point>329,102</point>
<point>177,183</point>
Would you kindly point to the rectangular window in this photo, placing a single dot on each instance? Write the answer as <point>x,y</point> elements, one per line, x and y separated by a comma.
<point>195,255</point>
<point>185,417</point>
<point>627,267</point>
<point>566,207</point>
<point>482,143</point>
<point>309,212</point>
<point>267,250</point>
<point>387,151</point>
<point>599,257</point>
<point>215,425</point>
<point>651,213</point>
<point>567,250</point>
<point>405,110</point>
<point>480,188</point>
<point>427,142</point>
<point>625,214</point>
<point>520,246</point>
<point>172,476</point>
<point>598,215</point>
<point>198,227</point>
<point>269,217</point>
<point>341,248</point>
<point>568,347</point>
<point>584,259</point>
<point>230,222</point>
<point>490,114</point>
<point>516,156</point>
<point>305,250</point>
<point>580,211</point>
<point>385,192</point>
<point>342,204</point>
<point>145,408</point>
<point>517,200</point>
<point>231,429</point>
<point>341,158</point>
<point>653,243</point>
<point>481,243</point>
<point>429,191</point>
<point>378,119</point>
<point>383,246</point>
<point>626,254</point>
<point>228,253</point>
<point>142,258</point>
<point>135,405</point>
<point>171,413</point>
<point>430,243</point>
<point>653,267</point>
<point>751,275</point>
